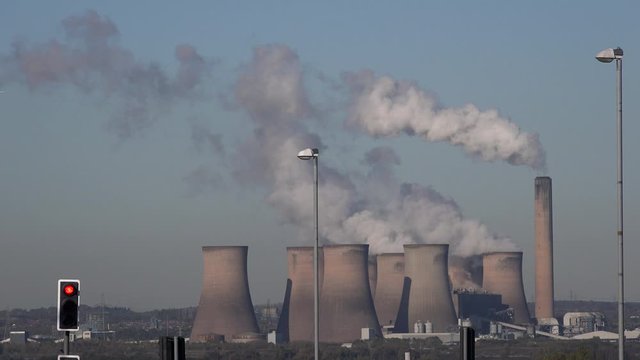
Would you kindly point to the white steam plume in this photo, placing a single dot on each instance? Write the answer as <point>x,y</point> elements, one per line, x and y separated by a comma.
<point>376,209</point>
<point>383,106</point>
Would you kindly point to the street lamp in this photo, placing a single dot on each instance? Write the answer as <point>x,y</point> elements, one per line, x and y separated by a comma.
<point>607,56</point>
<point>308,154</point>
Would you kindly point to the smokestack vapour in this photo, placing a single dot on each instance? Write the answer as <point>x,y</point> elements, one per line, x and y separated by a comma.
<point>377,209</point>
<point>373,207</point>
<point>382,106</point>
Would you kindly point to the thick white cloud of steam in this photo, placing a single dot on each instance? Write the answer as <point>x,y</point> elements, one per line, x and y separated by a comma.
<point>383,106</point>
<point>89,59</point>
<point>376,209</point>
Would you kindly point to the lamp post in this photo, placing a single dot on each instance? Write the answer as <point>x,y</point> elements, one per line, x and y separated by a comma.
<point>607,56</point>
<point>308,154</point>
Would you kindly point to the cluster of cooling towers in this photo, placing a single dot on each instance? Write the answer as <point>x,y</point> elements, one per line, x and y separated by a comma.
<point>357,290</point>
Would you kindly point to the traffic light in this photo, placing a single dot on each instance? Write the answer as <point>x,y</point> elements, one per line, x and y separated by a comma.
<point>68,302</point>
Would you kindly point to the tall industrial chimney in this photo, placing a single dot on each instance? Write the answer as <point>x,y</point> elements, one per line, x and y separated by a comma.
<point>296,319</point>
<point>225,306</point>
<point>544,248</point>
<point>502,274</point>
<point>429,291</point>
<point>389,287</point>
<point>346,305</point>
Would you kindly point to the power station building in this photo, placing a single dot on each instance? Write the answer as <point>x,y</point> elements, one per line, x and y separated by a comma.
<point>395,291</point>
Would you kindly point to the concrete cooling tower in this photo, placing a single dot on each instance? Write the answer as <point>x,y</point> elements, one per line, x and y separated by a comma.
<point>502,274</point>
<point>296,318</point>
<point>544,248</point>
<point>373,275</point>
<point>225,306</point>
<point>426,289</point>
<point>389,287</point>
<point>346,305</point>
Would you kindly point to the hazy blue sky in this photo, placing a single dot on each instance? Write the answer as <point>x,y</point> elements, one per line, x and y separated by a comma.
<point>117,174</point>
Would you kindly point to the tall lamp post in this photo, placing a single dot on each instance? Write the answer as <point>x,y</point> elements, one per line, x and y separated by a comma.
<point>309,154</point>
<point>607,56</point>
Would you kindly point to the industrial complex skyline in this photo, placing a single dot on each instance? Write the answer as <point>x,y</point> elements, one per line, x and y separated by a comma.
<point>131,137</point>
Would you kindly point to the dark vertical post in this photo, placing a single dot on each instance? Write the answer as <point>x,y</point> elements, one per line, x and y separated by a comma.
<point>166,348</point>
<point>467,343</point>
<point>65,349</point>
<point>316,290</point>
<point>620,209</point>
<point>178,348</point>
<point>172,348</point>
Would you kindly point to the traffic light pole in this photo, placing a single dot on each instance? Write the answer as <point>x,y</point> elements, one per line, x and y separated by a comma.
<point>65,349</point>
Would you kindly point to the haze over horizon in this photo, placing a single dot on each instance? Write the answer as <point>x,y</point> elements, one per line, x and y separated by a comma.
<point>134,135</point>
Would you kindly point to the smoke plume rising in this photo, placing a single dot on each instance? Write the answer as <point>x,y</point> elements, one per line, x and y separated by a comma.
<point>90,60</point>
<point>465,272</point>
<point>372,207</point>
<point>376,209</point>
<point>382,106</point>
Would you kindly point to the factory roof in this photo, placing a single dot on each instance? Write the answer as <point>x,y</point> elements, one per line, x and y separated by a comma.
<point>607,335</point>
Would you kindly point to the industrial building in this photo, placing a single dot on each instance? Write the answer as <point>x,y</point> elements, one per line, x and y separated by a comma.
<point>422,290</point>
<point>575,323</point>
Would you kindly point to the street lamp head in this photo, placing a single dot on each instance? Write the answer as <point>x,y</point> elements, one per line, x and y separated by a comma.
<point>608,55</point>
<point>308,154</point>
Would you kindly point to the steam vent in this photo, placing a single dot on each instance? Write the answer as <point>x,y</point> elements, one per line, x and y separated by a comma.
<point>502,274</point>
<point>544,248</point>
<point>225,306</point>
<point>296,319</point>
<point>426,290</point>
<point>346,305</point>
<point>389,287</point>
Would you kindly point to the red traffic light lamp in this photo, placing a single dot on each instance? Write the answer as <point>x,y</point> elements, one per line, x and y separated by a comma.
<point>68,303</point>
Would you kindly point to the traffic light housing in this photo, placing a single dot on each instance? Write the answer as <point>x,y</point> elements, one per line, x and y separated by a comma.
<point>68,303</point>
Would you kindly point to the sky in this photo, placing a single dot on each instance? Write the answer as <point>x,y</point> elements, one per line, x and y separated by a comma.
<point>133,134</point>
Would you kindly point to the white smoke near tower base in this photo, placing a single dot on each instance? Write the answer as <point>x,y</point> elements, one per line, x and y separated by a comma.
<point>376,209</point>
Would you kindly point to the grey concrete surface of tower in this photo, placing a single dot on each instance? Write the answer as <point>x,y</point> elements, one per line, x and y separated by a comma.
<point>346,305</point>
<point>502,274</point>
<point>296,319</point>
<point>373,275</point>
<point>429,289</point>
<point>225,306</point>
<point>389,287</point>
<point>544,248</point>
